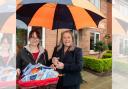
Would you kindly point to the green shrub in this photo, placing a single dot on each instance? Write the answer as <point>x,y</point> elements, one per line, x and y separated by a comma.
<point>109,51</point>
<point>100,46</point>
<point>107,55</point>
<point>98,65</point>
<point>107,63</point>
<point>110,46</point>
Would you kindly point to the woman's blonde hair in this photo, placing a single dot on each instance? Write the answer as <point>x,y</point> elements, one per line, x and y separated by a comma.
<point>72,47</point>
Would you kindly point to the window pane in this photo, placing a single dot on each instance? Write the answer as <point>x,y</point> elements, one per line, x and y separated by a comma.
<point>92,41</point>
<point>126,47</point>
<point>124,10</point>
<point>121,46</point>
<point>96,3</point>
<point>97,38</point>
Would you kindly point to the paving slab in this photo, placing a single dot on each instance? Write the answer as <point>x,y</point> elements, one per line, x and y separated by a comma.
<point>95,81</point>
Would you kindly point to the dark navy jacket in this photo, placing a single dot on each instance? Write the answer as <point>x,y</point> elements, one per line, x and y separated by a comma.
<point>72,66</point>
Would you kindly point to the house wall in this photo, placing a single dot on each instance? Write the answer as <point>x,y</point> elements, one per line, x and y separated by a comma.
<point>50,40</point>
<point>106,28</point>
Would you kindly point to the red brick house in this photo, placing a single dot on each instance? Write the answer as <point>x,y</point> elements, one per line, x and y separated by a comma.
<point>85,38</point>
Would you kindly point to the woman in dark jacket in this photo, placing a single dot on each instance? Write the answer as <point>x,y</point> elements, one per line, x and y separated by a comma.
<point>32,53</point>
<point>67,59</point>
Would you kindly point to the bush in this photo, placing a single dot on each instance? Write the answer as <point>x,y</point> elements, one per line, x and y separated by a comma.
<point>109,51</point>
<point>100,46</point>
<point>107,55</point>
<point>110,46</point>
<point>98,65</point>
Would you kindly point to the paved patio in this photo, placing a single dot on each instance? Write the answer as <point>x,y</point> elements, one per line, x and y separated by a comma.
<point>96,82</point>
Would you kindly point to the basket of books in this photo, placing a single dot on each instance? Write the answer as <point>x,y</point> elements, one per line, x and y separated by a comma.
<point>38,76</point>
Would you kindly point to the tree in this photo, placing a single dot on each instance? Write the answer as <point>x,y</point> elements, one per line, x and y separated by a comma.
<point>100,46</point>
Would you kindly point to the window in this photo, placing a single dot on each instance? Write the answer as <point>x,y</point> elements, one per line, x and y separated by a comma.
<point>124,46</point>
<point>121,46</point>
<point>94,38</point>
<point>123,7</point>
<point>96,3</point>
<point>124,10</point>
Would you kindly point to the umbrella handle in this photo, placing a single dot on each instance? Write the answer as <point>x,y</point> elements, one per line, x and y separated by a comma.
<point>57,38</point>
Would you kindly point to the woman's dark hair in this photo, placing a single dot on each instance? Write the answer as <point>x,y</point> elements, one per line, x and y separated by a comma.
<point>34,31</point>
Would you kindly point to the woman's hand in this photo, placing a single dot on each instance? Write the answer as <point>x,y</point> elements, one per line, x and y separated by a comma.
<point>53,66</point>
<point>60,65</point>
<point>55,60</point>
<point>18,72</point>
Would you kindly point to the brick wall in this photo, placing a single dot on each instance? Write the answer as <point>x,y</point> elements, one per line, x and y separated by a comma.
<point>85,36</point>
<point>109,20</point>
<point>84,41</point>
<point>106,9</point>
<point>50,40</point>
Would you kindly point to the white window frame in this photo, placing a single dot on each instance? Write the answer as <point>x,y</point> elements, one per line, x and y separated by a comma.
<point>29,29</point>
<point>95,33</point>
<point>123,5</point>
<point>95,3</point>
<point>123,46</point>
<point>43,37</point>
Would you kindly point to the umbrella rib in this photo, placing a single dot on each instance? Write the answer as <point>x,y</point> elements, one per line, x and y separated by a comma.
<point>96,18</point>
<point>63,18</point>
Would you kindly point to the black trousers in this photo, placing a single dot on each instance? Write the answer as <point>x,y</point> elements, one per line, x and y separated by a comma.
<point>60,85</point>
<point>72,87</point>
<point>69,87</point>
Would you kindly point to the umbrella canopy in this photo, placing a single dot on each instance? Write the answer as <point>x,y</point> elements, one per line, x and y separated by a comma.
<point>56,16</point>
<point>80,3</point>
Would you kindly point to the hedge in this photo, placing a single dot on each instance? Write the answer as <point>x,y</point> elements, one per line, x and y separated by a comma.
<point>107,55</point>
<point>109,51</point>
<point>98,65</point>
